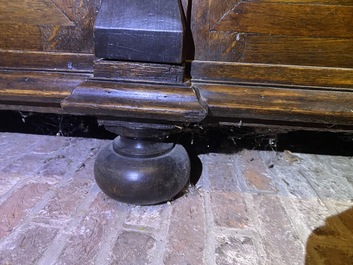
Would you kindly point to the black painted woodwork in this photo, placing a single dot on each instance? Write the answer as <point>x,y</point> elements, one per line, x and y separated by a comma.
<point>138,167</point>
<point>135,30</point>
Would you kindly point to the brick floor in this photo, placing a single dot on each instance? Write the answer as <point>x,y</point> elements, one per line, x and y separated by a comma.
<point>250,207</point>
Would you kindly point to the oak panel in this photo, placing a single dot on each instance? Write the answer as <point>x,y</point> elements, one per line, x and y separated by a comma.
<point>218,9</point>
<point>33,12</point>
<point>297,50</point>
<point>212,45</point>
<point>60,25</point>
<point>21,37</point>
<point>289,19</point>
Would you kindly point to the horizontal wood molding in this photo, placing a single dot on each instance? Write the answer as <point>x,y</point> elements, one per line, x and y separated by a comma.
<point>72,94</point>
<point>40,108</point>
<point>279,75</point>
<point>278,104</point>
<point>70,62</point>
<point>135,101</point>
<point>136,71</point>
<point>289,19</point>
<point>22,87</point>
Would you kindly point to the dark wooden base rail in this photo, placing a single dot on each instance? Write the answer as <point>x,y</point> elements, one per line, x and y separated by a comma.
<point>146,68</point>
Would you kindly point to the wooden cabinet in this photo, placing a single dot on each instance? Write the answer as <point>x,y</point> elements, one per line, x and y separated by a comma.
<point>275,62</point>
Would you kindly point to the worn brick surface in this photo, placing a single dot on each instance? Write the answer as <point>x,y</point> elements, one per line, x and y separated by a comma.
<point>20,203</point>
<point>187,232</point>
<point>280,241</point>
<point>88,235</point>
<point>26,165</point>
<point>133,248</point>
<point>70,159</point>
<point>145,218</point>
<point>49,145</point>
<point>28,246</point>
<point>255,172</point>
<point>14,145</point>
<point>328,182</point>
<point>67,197</point>
<point>235,215</point>
<point>236,250</point>
<point>250,207</point>
<point>224,179</point>
<point>301,213</point>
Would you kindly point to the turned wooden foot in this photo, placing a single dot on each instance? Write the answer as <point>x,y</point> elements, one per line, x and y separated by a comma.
<point>138,168</point>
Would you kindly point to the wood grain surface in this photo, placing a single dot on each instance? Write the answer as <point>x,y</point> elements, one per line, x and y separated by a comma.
<point>46,61</point>
<point>135,101</point>
<point>299,32</point>
<point>289,19</point>
<point>37,87</point>
<point>284,104</point>
<point>264,60</point>
<point>139,72</point>
<point>48,25</point>
<point>272,74</point>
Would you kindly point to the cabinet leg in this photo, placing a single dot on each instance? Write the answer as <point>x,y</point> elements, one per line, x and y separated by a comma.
<point>139,168</point>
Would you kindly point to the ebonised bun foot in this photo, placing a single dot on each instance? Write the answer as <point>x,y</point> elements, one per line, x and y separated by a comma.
<point>141,171</point>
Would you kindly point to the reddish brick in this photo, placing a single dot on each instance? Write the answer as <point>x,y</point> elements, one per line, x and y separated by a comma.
<point>15,145</point>
<point>133,247</point>
<point>280,241</point>
<point>80,149</point>
<point>7,183</point>
<point>328,182</point>
<point>70,159</point>
<point>56,166</point>
<point>142,218</point>
<point>50,144</point>
<point>236,250</point>
<point>294,182</point>
<point>307,214</point>
<point>24,166</point>
<point>66,199</point>
<point>16,207</point>
<point>229,210</point>
<point>84,244</point>
<point>255,172</point>
<point>221,176</point>
<point>28,246</point>
<point>186,232</point>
